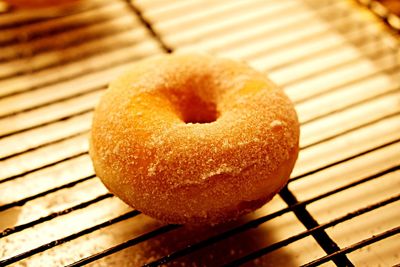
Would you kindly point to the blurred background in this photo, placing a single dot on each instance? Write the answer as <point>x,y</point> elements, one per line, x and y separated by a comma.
<point>338,60</point>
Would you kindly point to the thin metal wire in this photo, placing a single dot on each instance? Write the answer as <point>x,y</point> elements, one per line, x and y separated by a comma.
<point>41,194</point>
<point>353,185</point>
<point>231,232</point>
<point>307,121</point>
<point>303,100</point>
<point>52,102</point>
<point>138,13</point>
<point>41,29</point>
<point>47,66</point>
<point>150,29</point>
<point>86,131</point>
<point>373,239</point>
<point>39,46</point>
<point>74,59</point>
<point>64,138</point>
<point>322,238</point>
<point>53,163</point>
<point>129,243</point>
<point>352,129</point>
<point>320,141</point>
<point>294,206</point>
<point>39,19</point>
<point>78,94</point>
<point>384,17</point>
<point>309,37</point>
<point>285,242</point>
<point>53,215</point>
<point>301,176</point>
<point>63,240</point>
<point>281,29</point>
<point>375,54</point>
<point>30,88</point>
<point>23,201</point>
<point>61,118</point>
<point>85,111</point>
<point>353,104</point>
<point>251,224</point>
<point>326,49</point>
<point>387,69</point>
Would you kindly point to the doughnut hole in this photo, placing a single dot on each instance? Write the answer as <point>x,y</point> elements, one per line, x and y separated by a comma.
<point>192,108</point>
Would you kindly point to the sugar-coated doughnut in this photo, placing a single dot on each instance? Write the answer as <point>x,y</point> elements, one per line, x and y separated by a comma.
<point>194,138</point>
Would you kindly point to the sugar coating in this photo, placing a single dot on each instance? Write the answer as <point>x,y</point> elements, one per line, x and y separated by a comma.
<point>194,138</point>
<point>276,123</point>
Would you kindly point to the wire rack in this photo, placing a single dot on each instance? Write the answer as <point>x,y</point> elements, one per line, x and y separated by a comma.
<point>334,59</point>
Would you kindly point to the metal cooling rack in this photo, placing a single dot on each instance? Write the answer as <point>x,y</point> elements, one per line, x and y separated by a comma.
<point>335,60</point>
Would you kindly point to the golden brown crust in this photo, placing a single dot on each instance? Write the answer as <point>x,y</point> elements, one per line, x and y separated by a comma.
<point>147,152</point>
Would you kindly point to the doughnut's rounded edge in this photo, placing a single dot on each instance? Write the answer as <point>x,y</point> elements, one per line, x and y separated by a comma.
<point>149,149</point>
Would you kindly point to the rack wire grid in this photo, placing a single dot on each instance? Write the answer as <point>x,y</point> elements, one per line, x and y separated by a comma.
<point>334,58</point>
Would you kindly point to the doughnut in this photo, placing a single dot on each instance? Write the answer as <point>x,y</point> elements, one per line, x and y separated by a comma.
<point>191,138</point>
